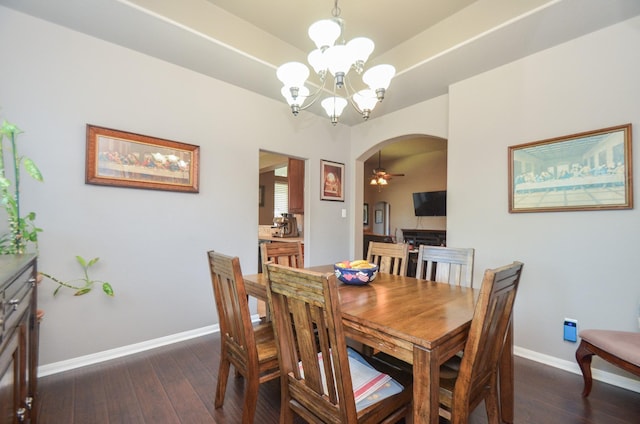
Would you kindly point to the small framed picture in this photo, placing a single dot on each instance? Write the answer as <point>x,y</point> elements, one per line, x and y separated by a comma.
<point>378,216</point>
<point>365,216</point>
<point>332,180</point>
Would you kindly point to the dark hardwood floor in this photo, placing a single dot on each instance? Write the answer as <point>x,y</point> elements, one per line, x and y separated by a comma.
<point>176,384</point>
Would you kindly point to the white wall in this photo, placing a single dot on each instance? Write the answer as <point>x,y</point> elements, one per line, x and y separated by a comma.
<point>580,265</point>
<point>152,244</point>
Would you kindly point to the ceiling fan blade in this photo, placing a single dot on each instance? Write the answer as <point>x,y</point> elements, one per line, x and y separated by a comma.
<point>395,175</point>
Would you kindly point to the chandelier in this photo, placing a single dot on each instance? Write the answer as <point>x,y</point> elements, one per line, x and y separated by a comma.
<point>337,60</point>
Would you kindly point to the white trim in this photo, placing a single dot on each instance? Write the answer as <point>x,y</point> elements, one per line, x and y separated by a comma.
<point>95,358</point>
<point>604,376</point>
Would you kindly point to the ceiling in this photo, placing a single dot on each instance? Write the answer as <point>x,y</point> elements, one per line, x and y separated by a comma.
<point>432,43</point>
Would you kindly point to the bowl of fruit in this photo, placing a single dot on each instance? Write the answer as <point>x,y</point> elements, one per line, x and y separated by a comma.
<point>357,273</point>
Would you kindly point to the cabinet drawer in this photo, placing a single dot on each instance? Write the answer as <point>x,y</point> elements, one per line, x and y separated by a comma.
<point>15,298</point>
<point>15,307</point>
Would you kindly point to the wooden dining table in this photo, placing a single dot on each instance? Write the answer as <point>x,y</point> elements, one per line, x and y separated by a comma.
<point>420,322</point>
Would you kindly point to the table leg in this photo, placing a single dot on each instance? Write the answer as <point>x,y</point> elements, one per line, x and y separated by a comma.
<point>426,386</point>
<point>506,378</point>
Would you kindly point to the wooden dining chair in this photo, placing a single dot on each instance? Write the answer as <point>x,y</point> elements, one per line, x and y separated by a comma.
<point>450,265</point>
<point>283,253</point>
<point>322,380</point>
<point>477,379</point>
<point>250,349</point>
<point>391,258</point>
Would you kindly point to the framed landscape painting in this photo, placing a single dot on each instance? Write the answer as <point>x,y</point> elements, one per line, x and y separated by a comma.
<point>585,171</point>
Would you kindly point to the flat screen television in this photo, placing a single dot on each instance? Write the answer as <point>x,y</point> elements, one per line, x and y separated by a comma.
<point>430,203</point>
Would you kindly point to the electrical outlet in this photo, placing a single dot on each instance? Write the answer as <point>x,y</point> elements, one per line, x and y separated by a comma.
<point>570,330</point>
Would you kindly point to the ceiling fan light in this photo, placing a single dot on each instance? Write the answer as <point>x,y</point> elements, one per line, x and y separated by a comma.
<point>374,181</point>
<point>324,33</point>
<point>293,74</point>
<point>382,181</point>
<point>379,77</point>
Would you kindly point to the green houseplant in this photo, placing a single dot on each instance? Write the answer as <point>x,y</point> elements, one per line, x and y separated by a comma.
<point>22,229</point>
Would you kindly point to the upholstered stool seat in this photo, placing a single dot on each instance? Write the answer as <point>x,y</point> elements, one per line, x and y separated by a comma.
<point>621,348</point>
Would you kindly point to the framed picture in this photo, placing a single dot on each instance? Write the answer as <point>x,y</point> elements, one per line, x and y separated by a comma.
<point>585,171</point>
<point>365,216</point>
<point>124,159</point>
<point>332,180</point>
<point>261,196</point>
<point>378,216</point>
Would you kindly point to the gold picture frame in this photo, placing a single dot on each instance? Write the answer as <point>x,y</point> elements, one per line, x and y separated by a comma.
<point>125,159</point>
<point>585,171</point>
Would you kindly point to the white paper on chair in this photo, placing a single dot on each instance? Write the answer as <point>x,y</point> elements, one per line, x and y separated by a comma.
<point>369,384</point>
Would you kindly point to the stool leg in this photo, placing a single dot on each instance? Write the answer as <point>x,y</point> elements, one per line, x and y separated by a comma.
<point>584,356</point>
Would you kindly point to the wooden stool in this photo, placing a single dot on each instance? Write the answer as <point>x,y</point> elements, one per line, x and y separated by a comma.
<point>621,348</point>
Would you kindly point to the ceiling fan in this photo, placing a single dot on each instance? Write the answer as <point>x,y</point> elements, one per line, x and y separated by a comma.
<point>380,176</point>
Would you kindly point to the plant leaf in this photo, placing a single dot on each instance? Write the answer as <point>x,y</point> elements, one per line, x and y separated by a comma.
<point>81,261</point>
<point>107,289</point>
<point>93,261</point>
<point>32,169</point>
<point>82,291</point>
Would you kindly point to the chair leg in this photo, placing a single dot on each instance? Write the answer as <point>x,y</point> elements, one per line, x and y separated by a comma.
<point>250,400</point>
<point>223,376</point>
<point>492,403</point>
<point>583,357</point>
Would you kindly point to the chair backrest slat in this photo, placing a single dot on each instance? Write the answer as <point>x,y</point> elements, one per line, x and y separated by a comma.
<point>283,253</point>
<point>232,305</point>
<point>491,320</point>
<point>446,264</point>
<point>391,258</point>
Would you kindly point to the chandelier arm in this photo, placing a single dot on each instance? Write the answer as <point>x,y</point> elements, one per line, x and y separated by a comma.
<point>315,96</point>
<point>349,96</point>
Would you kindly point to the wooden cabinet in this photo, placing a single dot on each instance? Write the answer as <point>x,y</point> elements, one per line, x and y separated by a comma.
<point>19,339</point>
<point>295,173</point>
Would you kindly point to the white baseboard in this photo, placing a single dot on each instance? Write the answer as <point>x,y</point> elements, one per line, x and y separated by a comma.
<point>82,361</point>
<point>107,355</point>
<point>604,376</point>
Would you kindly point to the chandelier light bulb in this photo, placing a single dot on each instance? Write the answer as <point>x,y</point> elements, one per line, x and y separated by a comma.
<point>334,107</point>
<point>301,95</point>
<point>366,101</point>
<point>293,74</point>
<point>324,33</point>
<point>360,48</point>
<point>318,62</point>
<point>378,78</point>
<point>339,62</point>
